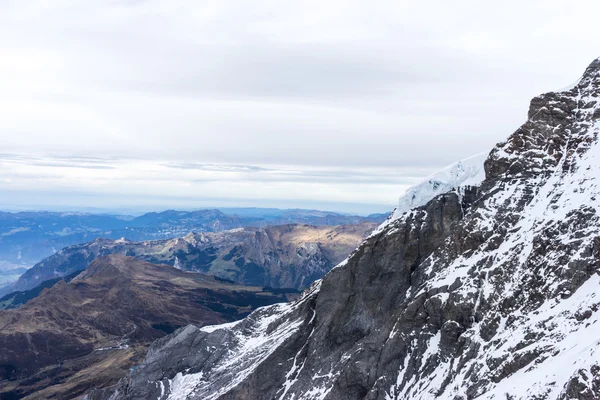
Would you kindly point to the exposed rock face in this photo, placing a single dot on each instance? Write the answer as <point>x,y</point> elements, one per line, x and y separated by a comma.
<point>283,256</point>
<point>90,331</point>
<point>489,293</point>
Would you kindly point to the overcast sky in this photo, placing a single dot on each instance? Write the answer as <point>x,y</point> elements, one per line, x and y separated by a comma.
<point>327,104</point>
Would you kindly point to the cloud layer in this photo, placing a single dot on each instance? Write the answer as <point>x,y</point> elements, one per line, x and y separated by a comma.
<point>262,101</point>
<point>140,185</point>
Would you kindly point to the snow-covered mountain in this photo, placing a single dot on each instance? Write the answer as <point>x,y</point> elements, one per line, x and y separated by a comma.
<point>491,292</point>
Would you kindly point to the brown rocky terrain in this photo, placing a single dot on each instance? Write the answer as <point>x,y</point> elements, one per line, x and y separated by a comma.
<point>92,330</point>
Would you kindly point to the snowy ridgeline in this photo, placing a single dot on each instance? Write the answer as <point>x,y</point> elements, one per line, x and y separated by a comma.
<point>454,177</point>
<point>467,172</point>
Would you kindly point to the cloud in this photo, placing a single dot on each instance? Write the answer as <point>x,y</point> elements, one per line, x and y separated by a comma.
<point>267,97</point>
<point>130,182</point>
<point>214,167</point>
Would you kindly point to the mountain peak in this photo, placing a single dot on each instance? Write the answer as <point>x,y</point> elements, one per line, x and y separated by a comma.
<point>116,265</point>
<point>592,72</point>
<point>560,126</point>
<point>94,329</point>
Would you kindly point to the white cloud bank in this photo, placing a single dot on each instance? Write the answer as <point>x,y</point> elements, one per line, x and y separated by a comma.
<point>324,102</point>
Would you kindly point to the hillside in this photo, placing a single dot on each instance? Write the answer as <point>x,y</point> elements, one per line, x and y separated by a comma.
<point>90,331</point>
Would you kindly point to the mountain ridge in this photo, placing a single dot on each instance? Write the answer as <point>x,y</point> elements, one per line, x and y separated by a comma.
<point>28,237</point>
<point>278,256</point>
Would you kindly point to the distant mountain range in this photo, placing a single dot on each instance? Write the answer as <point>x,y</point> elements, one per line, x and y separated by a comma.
<point>28,237</point>
<point>282,256</point>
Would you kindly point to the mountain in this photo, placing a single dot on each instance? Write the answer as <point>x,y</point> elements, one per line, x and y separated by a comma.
<point>489,292</point>
<point>184,221</point>
<point>276,216</point>
<point>283,256</point>
<point>28,237</point>
<point>90,331</point>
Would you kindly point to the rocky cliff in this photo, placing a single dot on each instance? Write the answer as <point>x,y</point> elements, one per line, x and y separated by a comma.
<point>484,292</point>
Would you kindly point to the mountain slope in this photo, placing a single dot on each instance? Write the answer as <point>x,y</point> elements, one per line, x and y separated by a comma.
<point>290,256</point>
<point>90,331</point>
<point>492,292</point>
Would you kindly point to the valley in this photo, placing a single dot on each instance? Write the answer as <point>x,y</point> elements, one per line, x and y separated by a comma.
<point>326,200</point>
